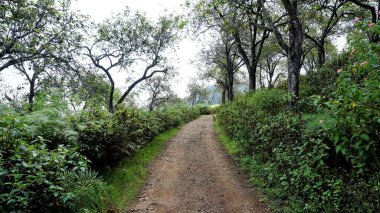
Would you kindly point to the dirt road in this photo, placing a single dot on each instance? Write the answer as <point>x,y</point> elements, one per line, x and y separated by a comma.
<point>193,174</point>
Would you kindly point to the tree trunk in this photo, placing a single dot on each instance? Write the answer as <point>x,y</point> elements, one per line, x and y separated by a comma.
<point>111,108</point>
<point>294,65</point>
<point>321,54</point>
<point>32,93</point>
<point>271,74</point>
<point>224,96</point>
<point>230,86</point>
<point>252,78</point>
<point>230,76</point>
<point>250,69</point>
<point>294,53</point>
<point>110,101</point>
<point>261,78</point>
<point>151,106</point>
<point>293,78</point>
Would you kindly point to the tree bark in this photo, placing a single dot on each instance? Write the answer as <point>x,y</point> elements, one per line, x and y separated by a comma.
<point>230,86</point>
<point>224,96</point>
<point>32,93</point>
<point>294,53</point>
<point>151,104</point>
<point>252,78</point>
<point>111,94</point>
<point>230,73</point>
<point>321,54</point>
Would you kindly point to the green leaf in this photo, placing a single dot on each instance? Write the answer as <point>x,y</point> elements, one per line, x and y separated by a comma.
<point>337,148</point>
<point>364,137</point>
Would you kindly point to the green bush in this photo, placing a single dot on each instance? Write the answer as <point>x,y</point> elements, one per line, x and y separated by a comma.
<point>106,138</point>
<point>30,174</point>
<point>31,166</point>
<point>50,124</point>
<point>205,109</point>
<point>243,115</point>
<point>355,106</point>
<point>322,82</point>
<point>45,155</point>
<point>189,113</point>
<point>87,192</point>
<point>294,159</point>
<point>168,117</point>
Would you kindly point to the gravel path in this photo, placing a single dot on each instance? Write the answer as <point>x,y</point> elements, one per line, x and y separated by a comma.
<point>193,174</point>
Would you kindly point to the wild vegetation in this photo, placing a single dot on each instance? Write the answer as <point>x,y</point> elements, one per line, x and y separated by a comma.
<point>301,115</point>
<point>320,153</point>
<point>69,126</point>
<point>49,157</point>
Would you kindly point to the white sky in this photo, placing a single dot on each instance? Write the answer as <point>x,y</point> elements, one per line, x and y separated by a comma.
<point>188,49</point>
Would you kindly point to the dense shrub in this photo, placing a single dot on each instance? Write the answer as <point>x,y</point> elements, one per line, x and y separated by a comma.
<point>50,124</point>
<point>44,155</point>
<point>87,192</point>
<point>355,106</point>
<point>322,82</point>
<point>30,172</point>
<point>107,138</point>
<point>317,163</point>
<point>168,117</point>
<point>294,157</point>
<point>35,150</point>
<point>319,83</point>
<point>247,111</point>
<point>188,113</point>
<point>207,109</point>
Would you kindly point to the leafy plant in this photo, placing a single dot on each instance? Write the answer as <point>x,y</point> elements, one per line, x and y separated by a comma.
<point>84,191</point>
<point>30,173</point>
<point>293,159</point>
<point>356,103</point>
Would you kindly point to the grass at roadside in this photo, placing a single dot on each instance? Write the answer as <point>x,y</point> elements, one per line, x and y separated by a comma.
<point>230,145</point>
<point>268,195</point>
<point>127,178</point>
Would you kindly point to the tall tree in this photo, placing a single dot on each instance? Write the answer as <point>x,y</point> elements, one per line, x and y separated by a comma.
<point>249,37</point>
<point>218,75</point>
<point>270,64</point>
<point>294,37</point>
<point>129,39</point>
<point>323,23</point>
<point>29,29</point>
<point>223,55</point>
<point>33,71</point>
<point>240,20</point>
<point>159,89</point>
<point>198,92</point>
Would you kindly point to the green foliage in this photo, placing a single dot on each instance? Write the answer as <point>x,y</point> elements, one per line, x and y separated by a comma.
<point>188,113</point>
<point>292,158</point>
<point>106,138</point>
<point>30,172</point>
<point>204,110</point>
<point>249,110</point>
<point>355,106</point>
<point>49,124</point>
<point>322,81</point>
<point>44,154</point>
<point>168,117</point>
<point>85,191</point>
<point>34,25</point>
